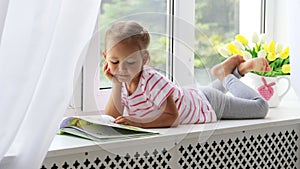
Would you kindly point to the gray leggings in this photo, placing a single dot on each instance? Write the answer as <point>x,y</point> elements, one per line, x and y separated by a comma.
<point>245,103</point>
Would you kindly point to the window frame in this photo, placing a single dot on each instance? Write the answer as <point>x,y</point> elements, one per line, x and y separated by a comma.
<point>184,24</point>
<point>276,20</point>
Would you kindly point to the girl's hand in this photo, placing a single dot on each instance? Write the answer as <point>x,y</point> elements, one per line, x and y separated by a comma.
<point>128,121</point>
<point>109,75</point>
<point>106,71</point>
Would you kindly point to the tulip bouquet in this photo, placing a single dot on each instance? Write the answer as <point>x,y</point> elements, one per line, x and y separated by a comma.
<point>276,54</point>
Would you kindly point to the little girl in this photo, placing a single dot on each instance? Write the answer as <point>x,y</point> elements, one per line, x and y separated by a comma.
<point>143,97</point>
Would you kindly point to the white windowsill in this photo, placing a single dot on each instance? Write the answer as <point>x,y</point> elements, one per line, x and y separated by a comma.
<point>288,113</point>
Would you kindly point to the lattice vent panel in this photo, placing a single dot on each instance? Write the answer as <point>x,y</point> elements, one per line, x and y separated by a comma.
<point>270,150</point>
<point>93,160</point>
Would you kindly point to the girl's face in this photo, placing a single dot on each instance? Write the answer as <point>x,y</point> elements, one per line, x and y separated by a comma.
<point>126,61</point>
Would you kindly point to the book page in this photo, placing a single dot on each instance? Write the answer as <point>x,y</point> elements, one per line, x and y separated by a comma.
<point>80,133</point>
<point>80,120</point>
<point>100,128</point>
<point>97,123</point>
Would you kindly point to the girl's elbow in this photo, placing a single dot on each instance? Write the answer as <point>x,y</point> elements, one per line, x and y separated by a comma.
<point>175,122</point>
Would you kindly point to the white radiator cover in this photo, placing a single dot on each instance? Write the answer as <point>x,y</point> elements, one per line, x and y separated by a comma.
<point>272,147</point>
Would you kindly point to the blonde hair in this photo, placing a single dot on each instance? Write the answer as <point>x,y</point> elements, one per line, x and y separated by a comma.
<point>129,32</point>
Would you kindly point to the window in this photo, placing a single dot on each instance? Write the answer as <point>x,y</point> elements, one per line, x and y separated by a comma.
<point>212,29</point>
<point>184,39</point>
<point>216,23</point>
<point>152,14</point>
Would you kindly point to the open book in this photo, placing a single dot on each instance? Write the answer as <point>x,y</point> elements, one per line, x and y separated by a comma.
<point>100,128</point>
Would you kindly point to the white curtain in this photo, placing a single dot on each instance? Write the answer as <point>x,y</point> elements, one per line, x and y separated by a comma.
<point>3,10</point>
<point>294,39</point>
<point>41,43</point>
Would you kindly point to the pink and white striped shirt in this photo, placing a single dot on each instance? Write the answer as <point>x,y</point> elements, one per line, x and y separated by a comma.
<point>153,90</point>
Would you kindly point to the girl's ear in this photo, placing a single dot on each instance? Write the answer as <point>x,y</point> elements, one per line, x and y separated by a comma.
<point>104,54</point>
<point>146,57</point>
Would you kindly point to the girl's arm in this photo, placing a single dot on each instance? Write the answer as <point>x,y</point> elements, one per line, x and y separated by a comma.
<point>114,106</point>
<point>168,118</point>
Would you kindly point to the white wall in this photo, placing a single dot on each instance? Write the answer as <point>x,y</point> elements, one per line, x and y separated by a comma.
<point>283,24</point>
<point>293,27</point>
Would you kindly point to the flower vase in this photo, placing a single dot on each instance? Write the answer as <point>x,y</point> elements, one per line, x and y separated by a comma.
<point>272,89</point>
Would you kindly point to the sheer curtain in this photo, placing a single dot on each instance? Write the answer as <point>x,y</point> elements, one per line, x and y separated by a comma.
<point>294,39</point>
<point>41,43</point>
<point>3,10</point>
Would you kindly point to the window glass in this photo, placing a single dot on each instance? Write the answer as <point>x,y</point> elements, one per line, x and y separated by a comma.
<point>216,23</point>
<point>152,14</point>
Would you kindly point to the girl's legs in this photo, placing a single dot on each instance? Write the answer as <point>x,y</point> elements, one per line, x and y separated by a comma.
<point>223,69</point>
<point>218,84</point>
<point>247,103</point>
<point>237,66</point>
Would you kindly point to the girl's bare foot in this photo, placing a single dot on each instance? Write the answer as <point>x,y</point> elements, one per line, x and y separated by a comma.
<point>220,71</point>
<point>256,64</point>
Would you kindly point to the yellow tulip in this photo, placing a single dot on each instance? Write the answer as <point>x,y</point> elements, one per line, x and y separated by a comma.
<point>265,47</point>
<point>271,47</point>
<point>241,39</point>
<point>286,68</point>
<point>231,47</point>
<point>233,50</point>
<point>256,48</point>
<point>284,53</point>
<point>239,52</point>
<point>271,56</point>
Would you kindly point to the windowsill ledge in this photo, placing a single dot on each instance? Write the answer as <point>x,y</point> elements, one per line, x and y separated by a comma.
<point>286,114</point>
